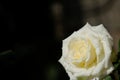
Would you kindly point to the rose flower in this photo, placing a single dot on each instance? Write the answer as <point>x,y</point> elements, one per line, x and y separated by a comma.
<point>86,54</point>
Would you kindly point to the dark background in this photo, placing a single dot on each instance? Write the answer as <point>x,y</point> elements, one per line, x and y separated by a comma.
<point>28,48</point>
<point>31,34</point>
<point>26,33</point>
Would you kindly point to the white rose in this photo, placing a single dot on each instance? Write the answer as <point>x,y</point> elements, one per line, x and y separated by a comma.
<point>86,53</point>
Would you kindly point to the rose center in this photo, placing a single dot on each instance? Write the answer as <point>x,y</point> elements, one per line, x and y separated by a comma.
<point>82,53</point>
<point>79,48</point>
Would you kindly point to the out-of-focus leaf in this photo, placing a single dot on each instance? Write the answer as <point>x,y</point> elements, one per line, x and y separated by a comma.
<point>5,52</point>
<point>116,65</point>
<point>119,46</point>
<point>108,78</point>
<point>117,62</point>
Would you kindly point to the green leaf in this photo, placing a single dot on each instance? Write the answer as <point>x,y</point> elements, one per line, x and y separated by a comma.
<point>108,78</point>
<point>119,46</point>
<point>116,65</point>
